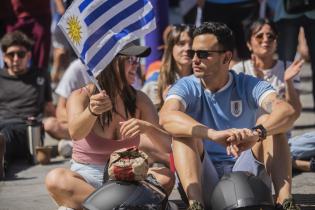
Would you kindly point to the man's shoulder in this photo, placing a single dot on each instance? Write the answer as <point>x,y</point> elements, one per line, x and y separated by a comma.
<point>242,77</point>
<point>188,80</point>
<point>186,84</point>
<point>186,88</point>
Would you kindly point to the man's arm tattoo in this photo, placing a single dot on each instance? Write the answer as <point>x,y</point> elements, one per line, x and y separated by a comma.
<point>269,104</point>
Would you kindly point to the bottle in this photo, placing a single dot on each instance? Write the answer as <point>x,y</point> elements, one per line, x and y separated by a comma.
<point>35,138</point>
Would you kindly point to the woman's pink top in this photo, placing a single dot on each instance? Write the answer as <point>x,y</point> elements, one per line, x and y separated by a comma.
<point>96,150</point>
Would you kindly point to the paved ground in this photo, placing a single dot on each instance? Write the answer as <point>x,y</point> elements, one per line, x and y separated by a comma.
<point>24,189</point>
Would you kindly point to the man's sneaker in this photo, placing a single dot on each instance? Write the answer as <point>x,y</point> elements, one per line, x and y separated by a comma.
<point>288,204</point>
<point>65,148</point>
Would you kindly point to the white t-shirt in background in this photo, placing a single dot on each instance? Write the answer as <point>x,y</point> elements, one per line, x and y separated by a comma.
<point>274,76</point>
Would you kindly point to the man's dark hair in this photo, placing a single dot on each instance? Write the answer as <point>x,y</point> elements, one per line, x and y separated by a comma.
<point>16,38</point>
<point>223,33</point>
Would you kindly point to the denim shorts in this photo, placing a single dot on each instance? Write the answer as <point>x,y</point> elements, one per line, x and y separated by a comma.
<point>93,174</point>
<point>212,173</point>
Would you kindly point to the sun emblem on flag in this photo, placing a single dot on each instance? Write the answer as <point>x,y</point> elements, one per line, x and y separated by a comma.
<point>74,29</point>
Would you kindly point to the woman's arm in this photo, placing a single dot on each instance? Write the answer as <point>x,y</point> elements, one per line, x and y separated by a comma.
<point>80,120</point>
<point>147,125</point>
<point>292,95</point>
<point>83,111</point>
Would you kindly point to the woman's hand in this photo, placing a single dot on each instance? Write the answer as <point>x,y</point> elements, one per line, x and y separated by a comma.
<point>258,72</point>
<point>100,103</point>
<point>133,127</point>
<point>293,69</point>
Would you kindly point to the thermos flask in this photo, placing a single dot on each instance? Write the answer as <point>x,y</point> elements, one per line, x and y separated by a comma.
<point>35,137</point>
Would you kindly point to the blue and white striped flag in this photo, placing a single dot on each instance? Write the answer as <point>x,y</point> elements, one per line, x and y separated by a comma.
<point>99,29</point>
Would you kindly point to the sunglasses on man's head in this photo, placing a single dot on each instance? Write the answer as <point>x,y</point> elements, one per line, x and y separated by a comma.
<point>20,54</point>
<point>203,54</point>
<point>270,37</point>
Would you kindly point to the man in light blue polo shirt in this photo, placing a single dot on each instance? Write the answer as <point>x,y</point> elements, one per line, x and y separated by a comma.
<point>212,115</point>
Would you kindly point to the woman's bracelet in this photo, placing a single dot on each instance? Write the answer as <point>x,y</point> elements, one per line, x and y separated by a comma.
<point>92,113</point>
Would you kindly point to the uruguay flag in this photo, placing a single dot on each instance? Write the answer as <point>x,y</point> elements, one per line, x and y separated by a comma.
<point>99,29</point>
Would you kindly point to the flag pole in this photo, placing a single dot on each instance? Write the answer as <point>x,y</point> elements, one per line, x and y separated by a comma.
<point>92,78</point>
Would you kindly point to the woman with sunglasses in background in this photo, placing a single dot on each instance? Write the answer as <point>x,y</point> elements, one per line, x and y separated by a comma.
<point>283,76</point>
<point>175,63</point>
<point>101,122</point>
<point>262,43</point>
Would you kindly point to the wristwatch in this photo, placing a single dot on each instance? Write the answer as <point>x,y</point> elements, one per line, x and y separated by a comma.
<point>261,130</point>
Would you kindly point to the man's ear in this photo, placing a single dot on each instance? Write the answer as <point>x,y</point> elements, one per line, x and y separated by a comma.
<point>228,57</point>
<point>29,55</point>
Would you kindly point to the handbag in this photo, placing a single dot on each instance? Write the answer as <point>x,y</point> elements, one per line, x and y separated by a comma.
<point>128,164</point>
<point>298,6</point>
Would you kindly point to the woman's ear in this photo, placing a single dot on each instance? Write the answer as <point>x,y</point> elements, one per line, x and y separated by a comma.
<point>249,46</point>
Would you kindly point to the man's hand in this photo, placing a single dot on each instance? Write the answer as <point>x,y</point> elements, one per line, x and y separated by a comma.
<point>247,142</point>
<point>133,127</point>
<point>235,140</point>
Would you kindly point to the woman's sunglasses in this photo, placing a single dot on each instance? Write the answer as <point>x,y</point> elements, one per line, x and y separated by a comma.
<point>133,60</point>
<point>20,54</point>
<point>202,54</point>
<point>270,37</point>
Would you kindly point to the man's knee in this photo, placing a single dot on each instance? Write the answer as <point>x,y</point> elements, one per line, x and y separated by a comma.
<point>183,143</point>
<point>56,129</point>
<point>50,124</point>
